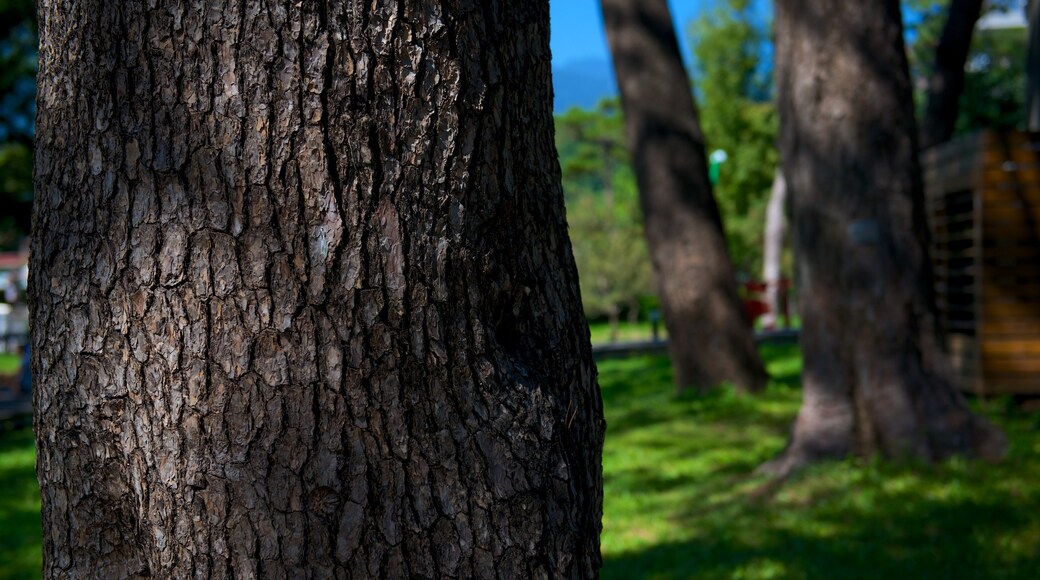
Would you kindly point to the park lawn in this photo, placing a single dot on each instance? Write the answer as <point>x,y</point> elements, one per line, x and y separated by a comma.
<point>680,500</point>
<point>9,363</point>
<point>20,551</point>
<point>640,331</point>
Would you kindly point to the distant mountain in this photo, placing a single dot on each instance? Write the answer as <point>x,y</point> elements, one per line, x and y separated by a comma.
<point>582,83</point>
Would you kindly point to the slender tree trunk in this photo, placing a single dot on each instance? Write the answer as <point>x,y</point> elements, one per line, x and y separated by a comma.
<point>303,301</point>
<point>1033,67</point>
<point>946,82</point>
<point>709,340</point>
<point>773,250</point>
<point>875,376</point>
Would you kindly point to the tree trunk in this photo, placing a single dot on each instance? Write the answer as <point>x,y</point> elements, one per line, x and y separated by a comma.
<point>946,82</point>
<point>709,340</point>
<point>303,301</point>
<point>875,376</point>
<point>773,250</point>
<point>1033,67</point>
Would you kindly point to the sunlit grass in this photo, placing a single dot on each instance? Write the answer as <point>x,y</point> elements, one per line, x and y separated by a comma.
<point>627,332</point>
<point>9,363</point>
<point>681,500</point>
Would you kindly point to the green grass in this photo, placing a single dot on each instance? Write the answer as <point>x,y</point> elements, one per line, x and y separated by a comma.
<point>9,363</point>
<point>20,554</point>
<point>681,500</point>
<point>627,332</point>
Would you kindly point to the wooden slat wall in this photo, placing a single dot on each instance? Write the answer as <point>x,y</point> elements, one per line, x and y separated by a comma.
<point>983,197</point>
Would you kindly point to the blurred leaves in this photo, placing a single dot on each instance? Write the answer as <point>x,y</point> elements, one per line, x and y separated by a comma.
<point>734,88</point>
<point>606,226</point>
<point>18,66</point>
<point>995,80</point>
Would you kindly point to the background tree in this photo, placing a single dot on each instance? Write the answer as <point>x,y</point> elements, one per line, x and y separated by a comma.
<point>709,340</point>
<point>875,377</point>
<point>946,82</point>
<point>734,94</point>
<point>305,305</point>
<point>18,42</point>
<point>993,70</point>
<point>773,249</point>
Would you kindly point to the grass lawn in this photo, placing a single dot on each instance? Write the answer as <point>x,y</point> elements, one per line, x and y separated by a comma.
<point>627,332</point>
<point>9,363</point>
<point>680,501</point>
<point>19,507</point>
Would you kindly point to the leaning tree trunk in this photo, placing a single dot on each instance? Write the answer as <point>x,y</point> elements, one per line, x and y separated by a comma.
<point>709,340</point>
<point>946,82</point>
<point>303,301</point>
<point>773,248</point>
<point>1033,67</point>
<point>875,376</point>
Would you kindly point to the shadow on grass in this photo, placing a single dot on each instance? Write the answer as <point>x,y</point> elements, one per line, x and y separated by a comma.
<point>20,555</point>
<point>681,500</point>
<point>906,537</point>
<point>640,391</point>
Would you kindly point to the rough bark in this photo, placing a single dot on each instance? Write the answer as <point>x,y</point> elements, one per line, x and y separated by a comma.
<point>1033,67</point>
<point>946,83</point>
<point>875,376</point>
<point>303,301</point>
<point>708,338</point>
<point>773,248</point>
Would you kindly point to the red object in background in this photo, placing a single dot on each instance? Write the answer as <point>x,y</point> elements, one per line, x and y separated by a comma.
<point>755,306</point>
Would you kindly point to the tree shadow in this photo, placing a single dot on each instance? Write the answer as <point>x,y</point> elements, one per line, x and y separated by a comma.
<point>904,536</point>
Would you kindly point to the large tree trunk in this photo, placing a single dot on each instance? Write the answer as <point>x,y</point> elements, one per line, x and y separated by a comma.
<point>709,340</point>
<point>875,376</point>
<point>773,248</point>
<point>946,83</point>
<point>303,301</point>
<point>1033,67</point>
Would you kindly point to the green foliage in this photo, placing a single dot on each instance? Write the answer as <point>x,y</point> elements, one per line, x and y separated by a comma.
<point>737,116</point>
<point>18,56</point>
<point>592,148</point>
<point>606,226</point>
<point>609,248</point>
<point>995,86</point>
<point>995,80</point>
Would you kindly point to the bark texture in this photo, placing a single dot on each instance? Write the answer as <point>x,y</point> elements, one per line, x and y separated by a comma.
<point>946,82</point>
<point>773,248</point>
<point>303,301</point>
<point>708,338</point>
<point>1033,67</point>
<point>875,377</point>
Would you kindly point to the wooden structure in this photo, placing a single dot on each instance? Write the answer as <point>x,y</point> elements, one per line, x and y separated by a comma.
<point>983,195</point>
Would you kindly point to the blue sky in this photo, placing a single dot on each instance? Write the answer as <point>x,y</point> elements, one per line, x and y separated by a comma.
<point>582,72</point>
<point>577,27</point>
